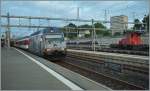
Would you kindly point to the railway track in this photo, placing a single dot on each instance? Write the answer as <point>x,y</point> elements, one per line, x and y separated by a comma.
<point>99,77</point>
<point>86,63</point>
<point>107,80</point>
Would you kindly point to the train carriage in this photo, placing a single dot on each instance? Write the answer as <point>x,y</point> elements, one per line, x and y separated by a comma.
<point>23,42</point>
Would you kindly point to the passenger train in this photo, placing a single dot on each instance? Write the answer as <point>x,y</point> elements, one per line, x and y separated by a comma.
<point>48,42</point>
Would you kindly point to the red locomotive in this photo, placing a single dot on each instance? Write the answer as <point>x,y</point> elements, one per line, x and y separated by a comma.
<point>132,41</point>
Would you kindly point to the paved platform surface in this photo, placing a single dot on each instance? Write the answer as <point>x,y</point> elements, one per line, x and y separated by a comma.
<point>112,54</point>
<point>135,60</point>
<point>22,70</point>
<point>20,73</point>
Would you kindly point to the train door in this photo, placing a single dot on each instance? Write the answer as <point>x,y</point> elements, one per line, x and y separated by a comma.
<point>35,44</point>
<point>31,44</point>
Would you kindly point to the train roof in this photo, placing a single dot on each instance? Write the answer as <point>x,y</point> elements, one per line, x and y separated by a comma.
<point>135,32</point>
<point>49,30</point>
<point>52,30</point>
<point>22,38</point>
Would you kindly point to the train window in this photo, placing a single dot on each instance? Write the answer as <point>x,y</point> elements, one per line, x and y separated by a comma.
<point>62,39</point>
<point>47,42</point>
<point>26,42</point>
<point>54,39</point>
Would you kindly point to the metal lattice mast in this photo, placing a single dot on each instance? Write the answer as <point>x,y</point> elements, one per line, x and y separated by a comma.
<point>8,31</point>
<point>93,35</point>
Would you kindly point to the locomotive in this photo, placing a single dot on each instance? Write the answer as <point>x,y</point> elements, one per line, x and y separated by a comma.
<point>48,42</point>
<point>132,41</point>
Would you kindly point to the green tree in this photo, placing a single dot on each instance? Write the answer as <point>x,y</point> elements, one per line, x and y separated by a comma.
<point>103,30</point>
<point>71,35</point>
<point>146,22</point>
<point>71,25</point>
<point>99,25</point>
<point>137,26</point>
<point>117,34</point>
<point>86,26</point>
<point>107,33</point>
<point>87,35</point>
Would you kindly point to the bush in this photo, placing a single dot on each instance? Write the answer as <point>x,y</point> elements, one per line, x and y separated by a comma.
<point>117,34</point>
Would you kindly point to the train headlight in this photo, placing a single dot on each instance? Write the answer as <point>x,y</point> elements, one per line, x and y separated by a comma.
<point>48,49</point>
<point>62,48</point>
<point>65,49</point>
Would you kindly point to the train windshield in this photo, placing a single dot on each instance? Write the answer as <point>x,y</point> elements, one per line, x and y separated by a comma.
<point>54,38</point>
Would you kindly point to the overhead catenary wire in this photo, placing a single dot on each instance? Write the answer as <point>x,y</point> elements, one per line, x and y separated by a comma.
<point>61,19</point>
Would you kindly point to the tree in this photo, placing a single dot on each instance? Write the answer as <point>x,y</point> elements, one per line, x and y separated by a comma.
<point>86,26</point>
<point>71,35</point>
<point>146,22</point>
<point>137,26</point>
<point>71,25</point>
<point>107,33</point>
<point>99,25</point>
<point>87,35</point>
<point>117,34</point>
<point>102,31</point>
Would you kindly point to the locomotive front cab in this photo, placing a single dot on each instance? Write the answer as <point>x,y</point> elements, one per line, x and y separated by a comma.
<point>135,39</point>
<point>55,45</point>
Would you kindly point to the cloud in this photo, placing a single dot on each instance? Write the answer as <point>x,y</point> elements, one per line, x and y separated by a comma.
<point>68,9</point>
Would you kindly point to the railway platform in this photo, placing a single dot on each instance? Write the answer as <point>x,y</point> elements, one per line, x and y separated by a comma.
<point>21,70</point>
<point>134,60</point>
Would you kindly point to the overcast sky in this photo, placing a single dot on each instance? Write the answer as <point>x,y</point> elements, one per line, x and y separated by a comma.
<point>68,9</point>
